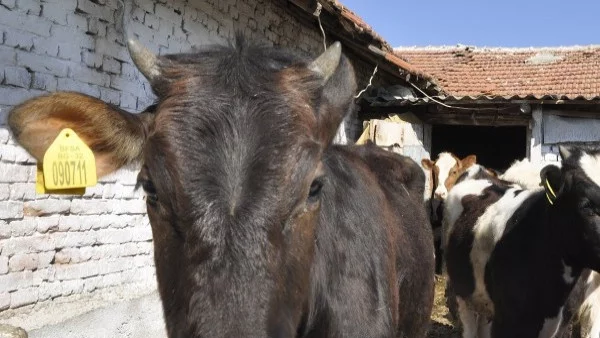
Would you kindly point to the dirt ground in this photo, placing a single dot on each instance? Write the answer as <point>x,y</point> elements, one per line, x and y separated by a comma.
<point>442,325</point>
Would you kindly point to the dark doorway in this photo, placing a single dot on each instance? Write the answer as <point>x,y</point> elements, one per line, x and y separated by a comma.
<point>495,147</point>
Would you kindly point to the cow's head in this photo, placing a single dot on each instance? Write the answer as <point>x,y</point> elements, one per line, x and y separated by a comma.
<point>231,165</point>
<point>574,192</point>
<point>445,171</point>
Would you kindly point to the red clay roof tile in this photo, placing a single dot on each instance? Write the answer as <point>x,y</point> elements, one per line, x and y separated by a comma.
<point>466,71</point>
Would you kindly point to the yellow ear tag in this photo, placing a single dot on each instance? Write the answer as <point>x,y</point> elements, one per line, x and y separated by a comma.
<point>68,164</point>
<point>40,188</point>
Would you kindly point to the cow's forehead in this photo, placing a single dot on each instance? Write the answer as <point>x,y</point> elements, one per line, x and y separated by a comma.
<point>445,162</point>
<point>591,166</point>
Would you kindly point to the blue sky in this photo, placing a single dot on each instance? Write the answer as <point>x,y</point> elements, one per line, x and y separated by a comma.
<point>499,23</point>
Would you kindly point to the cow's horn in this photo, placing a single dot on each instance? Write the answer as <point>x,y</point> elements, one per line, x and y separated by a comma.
<point>144,59</point>
<point>327,62</point>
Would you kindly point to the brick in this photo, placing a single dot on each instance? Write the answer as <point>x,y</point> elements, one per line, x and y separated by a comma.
<point>42,64</point>
<point>55,13</point>
<point>114,236</point>
<point>111,65</point>
<point>111,280</point>
<point>147,6</point>
<point>44,274</point>
<point>47,224</point>
<point>115,36</point>
<point>128,101</point>
<point>23,297</point>
<point>4,301</point>
<point>129,71</point>
<point>113,97</point>
<point>72,287</point>
<point>16,280</point>
<point>8,56</point>
<point>20,262</point>
<point>111,191</point>
<point>96,27</point>
<point>18,39</point>
<point>11,96</point>
<point>74,239</point>
<point>167,13</point>
<point>86,252</point>
<point>11,209</point>
<point>72,35</point>
<point>28,23</point>
<point>72,85</point>
<point>144,260</point>
<point>45,259</point>
<point>90,207</point>
<point>4,230</point>
<point>129,207</point>
<point>133,87</point>
<point>43,81</point>
<point>92,59</point>
<point>8,153</point>
<point>46,207</point>
<point>49,290</point>
<point>69,51</point>
<point>22,156</point>
<point>25,227</point>
<point>43,45</point>
<point>4,192</point>
<point>91,284</point>
<point>4,135</point>
<point>3,265</point>
<point>17,76</point>
<point>31,244</point>
<point>141,234</point>
<point>115,265</point>
<point>22,191</point>
<point>9,3</point>
<point>30,7</point>
<point>145,248</point>
<point>77,271</point>
<point>151,21</point>
<point>95,191</point>
<point>77,21</point>
<point>88,75</point>
<point>95,10</point>
<point>67,255</point>
<point>112,49</point>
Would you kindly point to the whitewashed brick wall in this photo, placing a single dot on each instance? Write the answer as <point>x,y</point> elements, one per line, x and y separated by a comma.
<point>56,246</point>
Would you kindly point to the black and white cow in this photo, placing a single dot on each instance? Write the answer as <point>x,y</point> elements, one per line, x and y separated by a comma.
<point>513,255</point>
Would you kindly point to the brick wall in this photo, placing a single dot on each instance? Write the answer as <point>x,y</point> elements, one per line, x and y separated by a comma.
<point>55,246</point>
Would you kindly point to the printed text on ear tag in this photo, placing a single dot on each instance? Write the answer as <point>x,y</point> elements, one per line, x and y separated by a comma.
<point>40,188</point>
<point>68,163</point>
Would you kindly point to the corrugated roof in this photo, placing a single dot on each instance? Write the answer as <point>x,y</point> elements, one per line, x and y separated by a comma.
<point>469,73</point>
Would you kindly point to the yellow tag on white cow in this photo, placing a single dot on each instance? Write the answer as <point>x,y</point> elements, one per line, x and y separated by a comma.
<point>69,163</point>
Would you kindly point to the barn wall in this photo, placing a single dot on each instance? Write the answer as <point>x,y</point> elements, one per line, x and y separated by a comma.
<point>549,128</point>
<point>53,247</point>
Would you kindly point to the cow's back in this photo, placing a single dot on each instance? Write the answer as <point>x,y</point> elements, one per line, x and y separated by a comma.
<point>403,183</point>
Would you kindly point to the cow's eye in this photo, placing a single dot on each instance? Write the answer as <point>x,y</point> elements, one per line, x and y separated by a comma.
<point>315,190</point>
<point>150,191</point>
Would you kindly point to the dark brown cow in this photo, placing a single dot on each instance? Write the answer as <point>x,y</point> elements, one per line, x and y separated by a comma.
<point>261,228</point>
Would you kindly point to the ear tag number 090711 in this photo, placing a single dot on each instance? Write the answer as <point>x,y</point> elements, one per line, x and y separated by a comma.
<point>68,167</point>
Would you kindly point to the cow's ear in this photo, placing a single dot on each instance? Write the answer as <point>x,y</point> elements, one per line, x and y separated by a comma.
<point>468,161</point>
<point>427,163</point>
<point>550,177</point>
<point>116,137</point>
